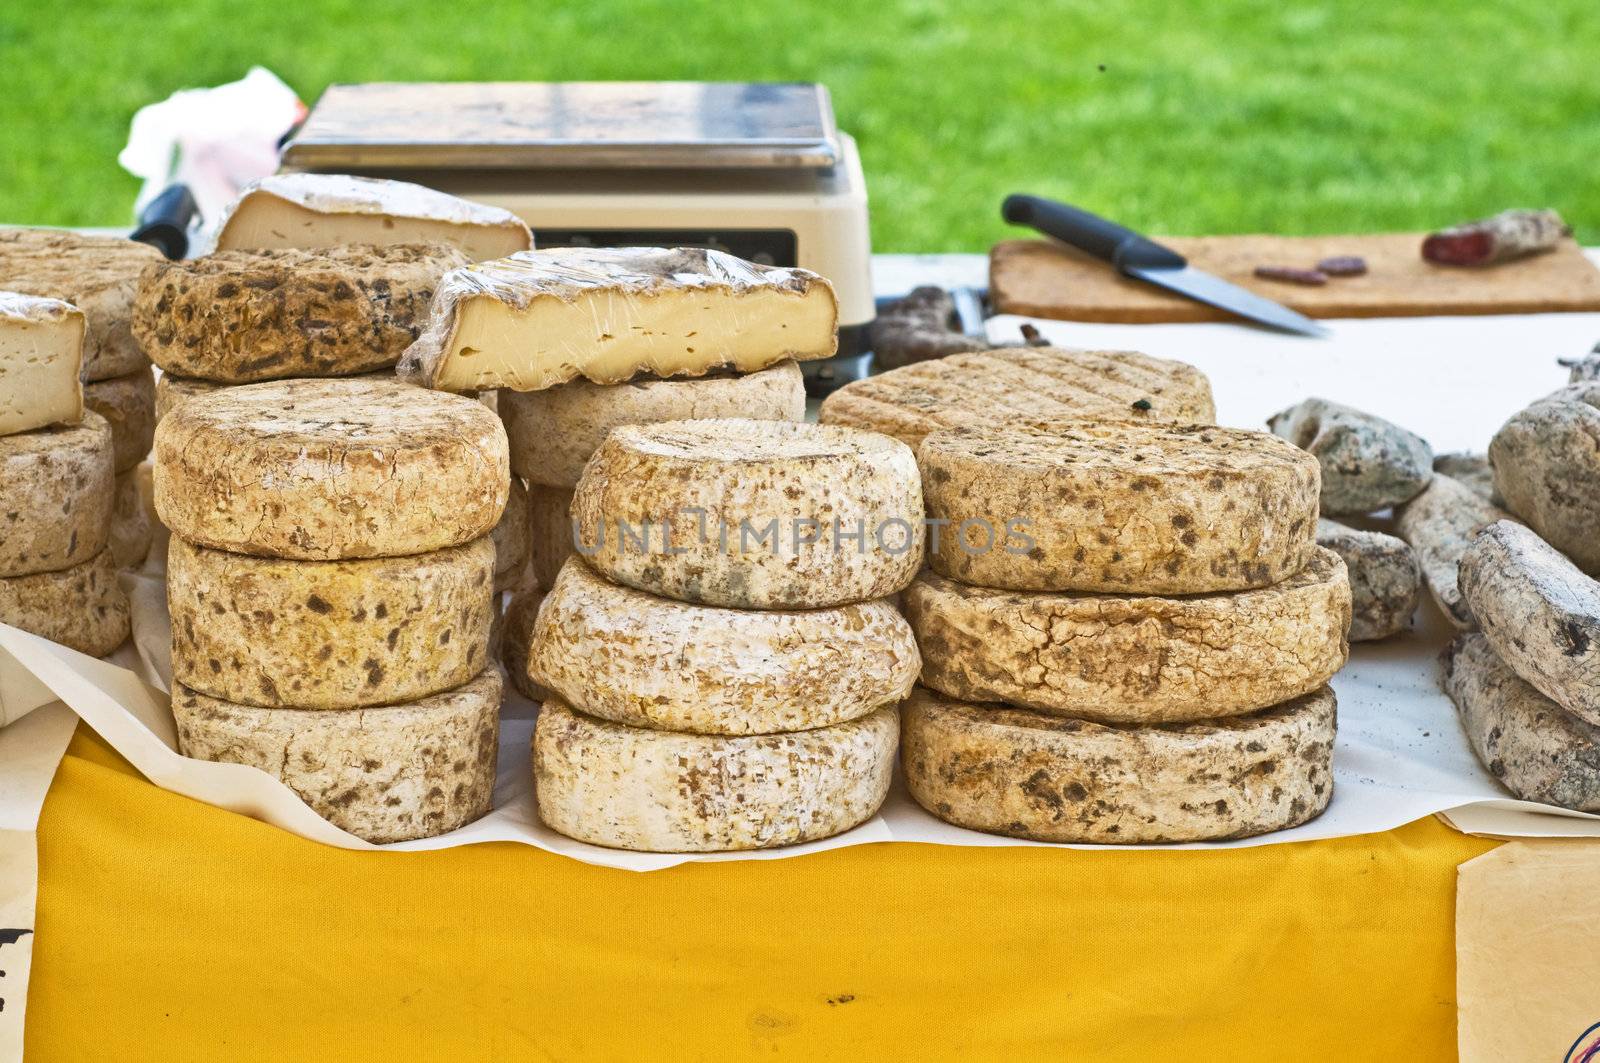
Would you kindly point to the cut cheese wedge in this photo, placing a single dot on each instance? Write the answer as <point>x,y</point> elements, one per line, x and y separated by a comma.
<point>389,774</point>
<point>656,791</point>
<point>542,318</point>
<point>601,647</point>
<point>55,496</point>
<point>41,357</point>
<point>328,634</point>
<point>1028,775</point>
<point>321,470</point>
<point>315,210</point>
<point>1132,659</point>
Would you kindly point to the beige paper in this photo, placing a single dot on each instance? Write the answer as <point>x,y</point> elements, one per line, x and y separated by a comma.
<point>1528,954</point>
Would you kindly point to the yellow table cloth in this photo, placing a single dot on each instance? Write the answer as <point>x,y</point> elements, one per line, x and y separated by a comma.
<point>169,930</point>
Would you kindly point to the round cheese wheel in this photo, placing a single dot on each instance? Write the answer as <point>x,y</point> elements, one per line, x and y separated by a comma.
<point>516,638</point>
<point>81,607</point>
<point>752,514</point>
<point>55,496</point>
<point>549,533</point>
<point>510,538</point>
<point>330,469</point>
<point>601,647</point>
<point>1128,659</point>
<point>243,316</point>
<point>1028,775</point>
<point>554,432</point>
<point>97,274</point>
<point>388,774</point>
<point>128,403</point>
<point>1128,507</point>
<point>656,791</point>
<point>328,634</point>
<point>131,531</point>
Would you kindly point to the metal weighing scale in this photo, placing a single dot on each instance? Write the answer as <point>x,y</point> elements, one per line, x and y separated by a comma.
<point>755,169</point>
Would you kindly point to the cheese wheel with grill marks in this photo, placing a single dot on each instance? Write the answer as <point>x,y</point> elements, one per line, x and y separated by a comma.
<point>658,791</point>
<point>752,514</point>
<point>319,470</point>
<point>1131,659</point>
<point>1028,775</point>
<point>731,671</point>
<point>1121,506</point>
<point>55,496</point>
<point>415,770</point>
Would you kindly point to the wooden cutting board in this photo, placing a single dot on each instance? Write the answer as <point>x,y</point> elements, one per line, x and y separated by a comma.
<point>1042,278</point>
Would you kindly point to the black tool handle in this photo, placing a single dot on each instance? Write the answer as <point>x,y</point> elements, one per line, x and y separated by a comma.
<point>164,222</point>
<point>1103,239</point>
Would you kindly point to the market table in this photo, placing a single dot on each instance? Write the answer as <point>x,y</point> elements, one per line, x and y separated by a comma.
<point>170,929</point>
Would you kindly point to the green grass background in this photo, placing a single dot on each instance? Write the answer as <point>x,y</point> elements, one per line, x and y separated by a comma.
<point>1214,116</point>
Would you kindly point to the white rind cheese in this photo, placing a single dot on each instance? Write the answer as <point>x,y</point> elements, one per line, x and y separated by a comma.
<point>1131,659</point>
<point>97,274</point>
<point>1028,775</point>
<point>510,538</point>
<point>328,634</point>
<point>81,607</point>
<point>41,359</point>
<point>131,530</point>
<point>541,318</point>
<point>556,431</point>
<point>752,514</point>
<point>1126,507</point>
<point>315,210</point>
<point>655,791</point>
<point>549,533</point>
<point>128,403</point>
<point>321,470</point>
<point>516,639</point>
<point>55,496</point>
<point>635,658</point>
<point>386,775</point>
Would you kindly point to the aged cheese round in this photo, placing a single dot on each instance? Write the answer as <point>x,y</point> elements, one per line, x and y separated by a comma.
<point>388,774</point>
<point>131,531</point>
<point>243,316</point>
<point>328,634</point>
<point>55,496</point>
<point>1029,775</point>
<point>656,791</point>
<point>549,533</point>
<point>1127,659</point>
<point>635,658</point>
<point>97,274</point>
<point>81,607</point>
<point>510,538</point>
<point>516,637</point>
<point>128,403</point>
<point>1120,506</point>
<point>554,432</point>
<point>752,514</point>
<point>330,469</point>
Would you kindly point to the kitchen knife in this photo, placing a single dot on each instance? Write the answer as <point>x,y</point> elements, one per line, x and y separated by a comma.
<point>1148,261</point>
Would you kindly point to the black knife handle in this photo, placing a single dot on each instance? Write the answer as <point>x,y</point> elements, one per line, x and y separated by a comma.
<point>1103,239</point>
<point>164,222</point>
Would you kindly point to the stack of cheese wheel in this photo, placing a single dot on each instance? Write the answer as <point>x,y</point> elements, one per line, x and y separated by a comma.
<point>330,583</point>
<point>99,275</point>
<point>1127,631</point>
<point>554,432</point>
<point>57,575</point>
<point>316,276</point>
<point>725,655</point>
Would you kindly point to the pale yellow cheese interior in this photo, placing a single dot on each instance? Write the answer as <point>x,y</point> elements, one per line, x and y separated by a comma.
<point>262,220</point>
<point>610,336</point>
<point>39,364</point>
